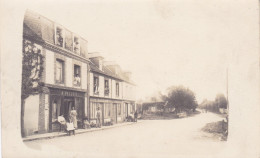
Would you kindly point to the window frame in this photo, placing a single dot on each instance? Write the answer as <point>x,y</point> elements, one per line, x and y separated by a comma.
<point>62,81</point>
<point>106,94</point>
<point>74,75</point>
<point>95,77</point>
<point>117,89</point>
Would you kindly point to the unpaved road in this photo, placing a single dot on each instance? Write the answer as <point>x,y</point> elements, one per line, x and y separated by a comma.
<point>148,138</point>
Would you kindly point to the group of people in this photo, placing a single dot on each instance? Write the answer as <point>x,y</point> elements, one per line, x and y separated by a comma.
<point>73,122</point>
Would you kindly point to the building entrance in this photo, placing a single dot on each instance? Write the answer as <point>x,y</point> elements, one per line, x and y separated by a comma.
<point>68,104</point>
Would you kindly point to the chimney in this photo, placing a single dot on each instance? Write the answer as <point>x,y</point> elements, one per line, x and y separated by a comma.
<point>128,74</point>
<point>98,58</point>
<point>112,66</point>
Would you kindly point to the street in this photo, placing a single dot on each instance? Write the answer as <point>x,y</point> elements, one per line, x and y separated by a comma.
<point>158,138</point>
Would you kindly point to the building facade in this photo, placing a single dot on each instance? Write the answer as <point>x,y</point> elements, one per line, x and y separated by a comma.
<point>110,90</point>
<point>64,74</point>
<point>72,77</point>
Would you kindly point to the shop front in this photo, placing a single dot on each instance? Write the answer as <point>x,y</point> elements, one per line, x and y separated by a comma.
<point>62,102</point>
<point>129,107</point>
<point>111,110</point>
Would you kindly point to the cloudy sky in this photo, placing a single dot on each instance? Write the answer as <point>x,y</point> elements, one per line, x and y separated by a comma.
<point>163,43</point>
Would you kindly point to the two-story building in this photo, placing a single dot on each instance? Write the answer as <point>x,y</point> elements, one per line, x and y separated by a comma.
<point>110,89</point>
<point>65,75</point>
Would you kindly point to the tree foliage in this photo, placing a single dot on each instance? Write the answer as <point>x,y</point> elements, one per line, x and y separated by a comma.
<point>32,68</point>
<point>213,106</point>
<point>181,98</point>
<point>221,101</point>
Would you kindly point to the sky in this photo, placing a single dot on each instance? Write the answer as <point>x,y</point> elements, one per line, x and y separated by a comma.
<point>163,43</point>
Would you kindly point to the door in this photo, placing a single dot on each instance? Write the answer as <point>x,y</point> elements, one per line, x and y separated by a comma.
<point>114,110</point>
<point>126,109</point>
<point>54,111</point>
<point>67,106</point>
<point>101,106</point>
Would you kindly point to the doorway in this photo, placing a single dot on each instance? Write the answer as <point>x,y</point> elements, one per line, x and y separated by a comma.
<point>67,106</point>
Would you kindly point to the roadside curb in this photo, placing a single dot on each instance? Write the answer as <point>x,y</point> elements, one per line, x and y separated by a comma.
<point>50,135</point>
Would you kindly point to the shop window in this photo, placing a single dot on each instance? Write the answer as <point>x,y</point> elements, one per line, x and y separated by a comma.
<point>106,91</point>
<point>59,71</point>
<point>132,108</point>
<point>59,36</point>
<point>76,45</point>
<point>93,107</point>
<point>117,89</point>
<point>119,109</point>
<point>79,104</point>
<point>77,75</point>
<point>107,109</point>
<point>96,84</point>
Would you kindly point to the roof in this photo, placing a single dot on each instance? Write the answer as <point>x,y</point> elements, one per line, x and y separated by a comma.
<point>107,72</point>
<point>27,32</point>
<point>38,27</point>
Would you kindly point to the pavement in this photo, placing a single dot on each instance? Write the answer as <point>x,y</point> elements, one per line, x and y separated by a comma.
<point>148,138</point>
<point>78,131</point>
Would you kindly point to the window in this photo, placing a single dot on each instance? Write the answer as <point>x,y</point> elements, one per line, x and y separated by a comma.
<point>96,84</point>
<point>68,40</point>
<point>77,75</point>
<point>59,37</point>
<point>76,45</point>
<point>106,91</point>
<point>59,71</point>
<point>117,89</point>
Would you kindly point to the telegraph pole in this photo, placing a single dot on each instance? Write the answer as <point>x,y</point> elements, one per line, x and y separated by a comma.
<point>227,104</point>
<point>227,92</point>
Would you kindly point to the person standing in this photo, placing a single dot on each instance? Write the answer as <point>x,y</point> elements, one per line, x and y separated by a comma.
<point>73,117</point>
<point>98,117</point>
<point>135,116</point>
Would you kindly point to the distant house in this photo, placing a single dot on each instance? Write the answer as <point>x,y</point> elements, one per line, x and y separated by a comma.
<point>153,106</point>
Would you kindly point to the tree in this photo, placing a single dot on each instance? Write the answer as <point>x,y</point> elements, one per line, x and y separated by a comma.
<point>209,105</point>
<point>213,106</point>
<point>181,98</point>
<point>32,69</point>
<point>221,101</point>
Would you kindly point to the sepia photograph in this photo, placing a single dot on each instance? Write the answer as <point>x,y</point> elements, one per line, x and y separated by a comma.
<point>131,79</point>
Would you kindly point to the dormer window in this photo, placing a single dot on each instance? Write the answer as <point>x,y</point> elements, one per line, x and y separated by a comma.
<point>59,36</point>
<point>76,45</point>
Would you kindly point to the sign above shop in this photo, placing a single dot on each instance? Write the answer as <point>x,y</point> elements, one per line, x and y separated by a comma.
<point>66,93</point>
